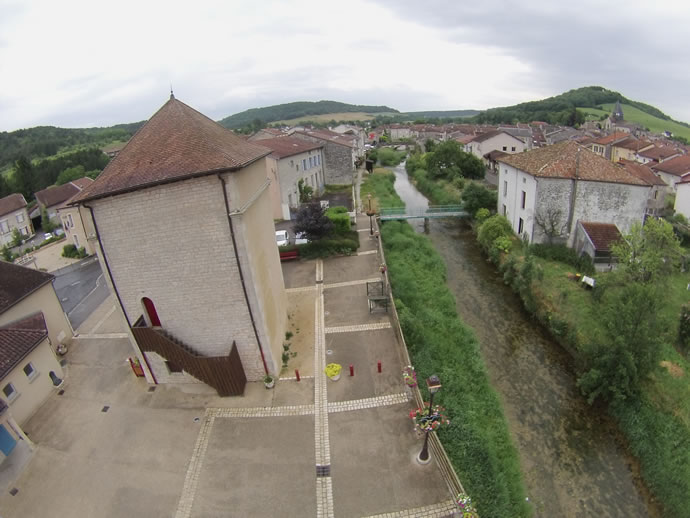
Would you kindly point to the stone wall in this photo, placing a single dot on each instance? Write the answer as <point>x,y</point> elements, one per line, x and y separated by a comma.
<point>338,160</point>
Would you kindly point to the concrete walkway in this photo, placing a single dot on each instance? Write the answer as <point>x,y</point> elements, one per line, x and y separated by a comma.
<point>111,445</point>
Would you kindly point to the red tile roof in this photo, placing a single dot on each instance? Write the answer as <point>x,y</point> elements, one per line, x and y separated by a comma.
<point>633,144</point>
<point>489,134</point>
<point>331,136</point>
<point>282,147</point>
<point>56,194</point>
<point>603,235</point>
<point>11,203</point>
<point>176,143</point>
<point>659,153</point>
<point>17,282</point>
<point>642,171</point>
<point>18,339</point>
<point>82,183</point>
<point>561,161</point>
<point>677,166</point>
<point>610,139</point>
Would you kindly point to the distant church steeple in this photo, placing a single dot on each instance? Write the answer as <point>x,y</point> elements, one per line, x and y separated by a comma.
<point>172,95</point>
<point>617,114</point>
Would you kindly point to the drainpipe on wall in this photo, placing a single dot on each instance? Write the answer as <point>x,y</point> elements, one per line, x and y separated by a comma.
<point>117,293</point>
<point>239,269</point>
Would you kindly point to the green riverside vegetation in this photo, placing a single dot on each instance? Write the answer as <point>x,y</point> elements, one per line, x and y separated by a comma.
<point>477,440</point>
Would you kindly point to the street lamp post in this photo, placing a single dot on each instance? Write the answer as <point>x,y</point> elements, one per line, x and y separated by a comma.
<point>433,383</point>
<point>370,213</point>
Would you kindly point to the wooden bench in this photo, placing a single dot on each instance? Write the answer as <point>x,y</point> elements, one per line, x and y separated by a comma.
<point>286,256</point>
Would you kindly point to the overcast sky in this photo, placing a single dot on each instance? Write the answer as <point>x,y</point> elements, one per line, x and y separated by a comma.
<point>80,63</point>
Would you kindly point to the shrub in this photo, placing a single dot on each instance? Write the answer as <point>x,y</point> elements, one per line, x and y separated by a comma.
<point>482,215</point>
<point>73,252</point>
<point>475,197</point>
<point>684,328</point>
<point>327,247</point>
<point>493,228</point>
<point>340,219</point>
<point>390,157</point>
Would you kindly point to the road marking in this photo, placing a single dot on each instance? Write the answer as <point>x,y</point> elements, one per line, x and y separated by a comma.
<point>368,252</point>
<point>363,230</point>
<point>87,295</point>
<point>360,327</point>
<point>266,411</point>
<point>89,336</point>
<point>75,283</point>
<point>370,402</point>
<point>298,290</point>
<point>447,508</point>
<point>350,283</point>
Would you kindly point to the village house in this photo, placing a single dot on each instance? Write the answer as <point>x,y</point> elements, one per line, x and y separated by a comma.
<point>602,146</point>
<point>29,369</point>
<point>359,135</point>
<point>76,226</point>
<point>340,154</point>
<point>51,198</point>
<point>24,292</point>
<point>659,188</point>
<point>656,154</point>
<point>398,132</point>
<point>13,215</point>
<point>628,148</point>
<point>546,191</point>
<point>267,133</point>
<point>185,236</point>
<point>682,203</point>
<point>496,140</point>
<point>673,170</point>
<point>292,161</point>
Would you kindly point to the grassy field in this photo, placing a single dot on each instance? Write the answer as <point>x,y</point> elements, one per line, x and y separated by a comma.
<point>646,120</point>
<point>327,117</point>
<point>380,185</point>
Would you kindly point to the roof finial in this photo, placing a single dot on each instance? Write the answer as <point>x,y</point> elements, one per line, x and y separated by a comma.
<point>172,95</point>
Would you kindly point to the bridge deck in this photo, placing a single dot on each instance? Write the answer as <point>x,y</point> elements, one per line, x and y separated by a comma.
<point>439,211</point>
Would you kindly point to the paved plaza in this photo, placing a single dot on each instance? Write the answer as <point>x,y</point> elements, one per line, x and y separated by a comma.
<point>111,445</point>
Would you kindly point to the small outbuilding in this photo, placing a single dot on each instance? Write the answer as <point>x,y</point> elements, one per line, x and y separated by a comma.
<point>595,240</point>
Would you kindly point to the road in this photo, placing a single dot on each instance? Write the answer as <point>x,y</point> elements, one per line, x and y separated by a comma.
<point>81,289</point>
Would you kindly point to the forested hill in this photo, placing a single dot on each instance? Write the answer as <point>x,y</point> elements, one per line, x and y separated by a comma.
<point>561,109</point>
<point>44,141</point>
<point>296,110</point>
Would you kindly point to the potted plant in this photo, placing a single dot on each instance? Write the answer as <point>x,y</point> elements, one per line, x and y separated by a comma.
<point>333,371</point>
<point>426,420</point>
<point>269,381</point>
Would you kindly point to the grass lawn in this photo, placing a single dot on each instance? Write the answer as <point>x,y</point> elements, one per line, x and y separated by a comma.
<point>380,185</point>
<point>646,120</point>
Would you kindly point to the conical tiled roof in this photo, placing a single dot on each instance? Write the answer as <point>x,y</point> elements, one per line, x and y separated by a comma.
<point>178,142</point>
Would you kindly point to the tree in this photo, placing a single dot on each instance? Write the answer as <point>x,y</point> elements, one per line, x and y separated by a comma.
<point>448,160</point>
<point>312,220</point>
<point>46,224</point>
<point>24,177</point>
<point>550,222</point>
<point>429,145</point>
<point>475,197</point>
<point>305,192</point>
<point>629,348</point>
<point>69,174</point>
<point>648,254</point>
<point>16,238</point>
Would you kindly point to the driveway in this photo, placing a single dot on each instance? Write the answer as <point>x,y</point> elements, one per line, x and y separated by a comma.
<point>81,288</point>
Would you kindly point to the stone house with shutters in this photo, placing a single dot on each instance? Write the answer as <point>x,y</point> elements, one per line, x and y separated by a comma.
<point>293,160</point>
<point>563,184</point>
<point>185,236</point>
<point>340,154</point>
<point>13,215</point>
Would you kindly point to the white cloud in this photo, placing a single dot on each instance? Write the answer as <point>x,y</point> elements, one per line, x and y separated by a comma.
<point>87,62</point>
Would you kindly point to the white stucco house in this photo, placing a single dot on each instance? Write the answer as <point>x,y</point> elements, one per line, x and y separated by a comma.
<point>497,140</point>
<point>293,160</point>
<point>559,185</point>
<point>13,215</point>
<point>682,204</point>
<point>674,170</point>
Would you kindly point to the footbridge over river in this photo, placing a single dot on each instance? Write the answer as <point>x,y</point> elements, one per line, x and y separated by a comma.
<point>432,211</point>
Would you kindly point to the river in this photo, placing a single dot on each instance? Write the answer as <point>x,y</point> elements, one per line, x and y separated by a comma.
<point>571,455</point>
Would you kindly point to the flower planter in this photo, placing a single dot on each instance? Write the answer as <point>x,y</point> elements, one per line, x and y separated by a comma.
<point>334,378</point>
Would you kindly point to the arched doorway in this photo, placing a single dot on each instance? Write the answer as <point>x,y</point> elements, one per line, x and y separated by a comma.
<point>151,312</point>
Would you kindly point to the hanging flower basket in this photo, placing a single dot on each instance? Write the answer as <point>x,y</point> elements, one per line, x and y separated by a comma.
<point>426,421</point>
<point>333,371</point>
<point>464,503</point>
<point>410,376</point>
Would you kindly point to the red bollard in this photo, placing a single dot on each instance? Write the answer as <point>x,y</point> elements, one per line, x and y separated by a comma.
<point>379,366</point>
<point>297,374</point>
<point>352,370</point>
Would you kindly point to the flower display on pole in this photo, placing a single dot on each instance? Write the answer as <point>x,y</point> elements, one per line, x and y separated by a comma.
<point>429,420</point>
<point>410,376</point>
<point>464,503</point>
<point>333,370</point>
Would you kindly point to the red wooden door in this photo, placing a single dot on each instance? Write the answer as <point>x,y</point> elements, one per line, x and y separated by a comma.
<point>151,312</point>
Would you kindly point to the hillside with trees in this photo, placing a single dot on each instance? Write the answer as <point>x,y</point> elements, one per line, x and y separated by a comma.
<point>278,112</point>
<point>562,109</point>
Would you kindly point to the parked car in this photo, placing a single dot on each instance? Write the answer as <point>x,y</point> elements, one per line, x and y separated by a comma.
<point>282,237</point>
<point>301,238</point>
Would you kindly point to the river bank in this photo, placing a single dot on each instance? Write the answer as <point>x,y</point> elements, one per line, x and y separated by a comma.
<point>571,459</point>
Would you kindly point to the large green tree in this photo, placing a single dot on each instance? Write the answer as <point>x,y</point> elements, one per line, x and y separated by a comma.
<point>448,160</point>
<point>24,177</point>
<point>649,253</point>
<point>629,347</point>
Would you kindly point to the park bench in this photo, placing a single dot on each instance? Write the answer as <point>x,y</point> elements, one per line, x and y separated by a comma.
<point>286,256</point>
